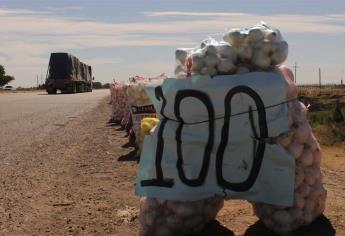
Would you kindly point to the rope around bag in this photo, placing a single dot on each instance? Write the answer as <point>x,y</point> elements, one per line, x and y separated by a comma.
<point>237,114</point>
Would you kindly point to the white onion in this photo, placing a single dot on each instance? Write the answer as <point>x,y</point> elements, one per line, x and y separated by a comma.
<point>180,71</point>
<point>210,49</point>
<point>271,36</point>
<point>304,189</point>
<point>181,55</point>
<point>302,133</point>
<point>226,66</point>
<point>281,54</point>
<point>299,176</point>
<point>255,35</point>
<point>198,61</point>
<point>312,143</point>
<point>212,60</point>
<point>299,201</point>
<point>306,158</point>
<point>309,206</point>
<point>245,53</point>
<point>308,218</point>
<point>265,47</point>
<point>234,37</point>
<point>184,210</point>
<point>211,71</point>
<point>227,51</point>
<point>296,149</point>
<point>261,60</point>
<point>208,41</point>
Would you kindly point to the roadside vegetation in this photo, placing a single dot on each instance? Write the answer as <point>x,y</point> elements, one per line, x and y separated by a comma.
<point>99,85</point>
<point>4,79</point>
<point>326,113</point>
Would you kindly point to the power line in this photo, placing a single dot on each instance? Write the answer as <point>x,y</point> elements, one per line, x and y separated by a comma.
<point>320,77</point>
<point>295,67</point>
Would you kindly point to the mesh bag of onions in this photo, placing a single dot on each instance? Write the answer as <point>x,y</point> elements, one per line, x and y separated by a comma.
<point>119,100</point>
<point>260,48</point>
<point>309,194</point>
<point>139,103</point>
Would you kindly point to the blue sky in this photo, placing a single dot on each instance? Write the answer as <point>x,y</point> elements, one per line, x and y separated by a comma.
<point>124,38</point>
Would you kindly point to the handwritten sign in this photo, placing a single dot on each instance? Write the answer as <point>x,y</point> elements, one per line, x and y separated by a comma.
<point>211,140</point>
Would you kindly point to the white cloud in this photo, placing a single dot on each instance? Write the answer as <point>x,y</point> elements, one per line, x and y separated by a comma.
<point>102,61</point>
<point>181,13</point>
<point>11,12</point>
<point>288,23</point>
<point>66,8</point>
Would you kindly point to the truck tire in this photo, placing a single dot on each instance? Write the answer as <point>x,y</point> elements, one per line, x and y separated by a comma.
<point>51,91</point>
<point>74,88</point>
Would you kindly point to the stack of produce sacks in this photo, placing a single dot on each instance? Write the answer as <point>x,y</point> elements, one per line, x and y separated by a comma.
<point>139,102</point>
<point>259,48</point>
<point>119,101</point>
<point>309,195</point>
<point>126,121</point>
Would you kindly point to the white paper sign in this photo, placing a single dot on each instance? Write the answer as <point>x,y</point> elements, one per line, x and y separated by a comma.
<point>213,139</point>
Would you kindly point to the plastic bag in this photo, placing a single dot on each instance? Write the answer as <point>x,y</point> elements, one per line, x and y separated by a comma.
<point>139,102</point>
<point>147,124</point>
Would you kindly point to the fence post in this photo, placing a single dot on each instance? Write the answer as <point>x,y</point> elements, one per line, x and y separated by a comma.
<point>320,78</point>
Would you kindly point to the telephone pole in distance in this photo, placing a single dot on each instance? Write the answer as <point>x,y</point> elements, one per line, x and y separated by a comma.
<point>295,67</point>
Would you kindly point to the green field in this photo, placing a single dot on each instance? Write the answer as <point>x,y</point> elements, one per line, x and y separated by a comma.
<point>327,123</point>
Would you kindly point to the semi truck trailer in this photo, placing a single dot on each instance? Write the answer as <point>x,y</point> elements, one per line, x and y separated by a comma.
<point>67,74</point>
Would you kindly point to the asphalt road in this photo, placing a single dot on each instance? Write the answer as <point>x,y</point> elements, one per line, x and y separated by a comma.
<point>29,117</point>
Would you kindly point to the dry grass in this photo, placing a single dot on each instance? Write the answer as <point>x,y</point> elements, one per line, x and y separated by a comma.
<point>333,157</point>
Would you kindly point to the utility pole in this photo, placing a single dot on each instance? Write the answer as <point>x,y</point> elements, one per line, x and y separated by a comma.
<point>295,67</point>
<point>320,77</point>
<point>37,80</point>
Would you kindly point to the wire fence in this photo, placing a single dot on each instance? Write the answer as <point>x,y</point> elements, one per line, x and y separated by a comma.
<point>335,90</point>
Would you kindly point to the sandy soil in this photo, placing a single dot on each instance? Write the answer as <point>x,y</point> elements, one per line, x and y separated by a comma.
<point>2,91</point>
<point>80,180</point>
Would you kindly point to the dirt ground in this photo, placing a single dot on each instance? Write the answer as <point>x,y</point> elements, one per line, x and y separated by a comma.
<point>80,181</point>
